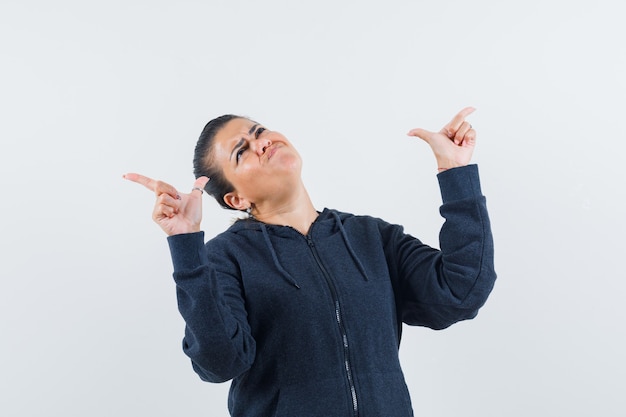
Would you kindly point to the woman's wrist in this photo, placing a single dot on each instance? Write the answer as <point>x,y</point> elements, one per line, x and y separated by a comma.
<point>441,168</point>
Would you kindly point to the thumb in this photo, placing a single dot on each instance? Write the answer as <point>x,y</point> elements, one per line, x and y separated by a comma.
<point>423,134</point>
<point>200,183</point>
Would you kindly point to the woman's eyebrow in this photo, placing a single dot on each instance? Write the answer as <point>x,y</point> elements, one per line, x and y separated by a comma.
<point>235,148</point>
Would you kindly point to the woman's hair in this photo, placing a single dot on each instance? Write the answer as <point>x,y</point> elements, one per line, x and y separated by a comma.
<point>204,160</point>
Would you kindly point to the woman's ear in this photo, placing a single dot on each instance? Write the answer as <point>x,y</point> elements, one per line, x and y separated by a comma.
<point>235,201</point>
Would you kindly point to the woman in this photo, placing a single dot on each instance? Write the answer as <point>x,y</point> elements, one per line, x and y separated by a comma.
<point>302,309</point>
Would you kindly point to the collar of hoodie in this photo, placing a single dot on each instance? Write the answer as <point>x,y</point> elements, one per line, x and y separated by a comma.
<point>327,214</point>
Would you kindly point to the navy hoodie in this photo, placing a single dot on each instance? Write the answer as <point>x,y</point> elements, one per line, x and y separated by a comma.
<point>311,325</point>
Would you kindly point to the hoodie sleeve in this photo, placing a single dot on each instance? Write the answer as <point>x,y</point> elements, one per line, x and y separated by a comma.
<point>436,288</point>
<point>217,335</point>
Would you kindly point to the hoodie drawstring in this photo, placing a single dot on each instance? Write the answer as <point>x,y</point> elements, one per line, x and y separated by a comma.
<point>288,276</point>
<point>282,270</point>
<point>349,246</point>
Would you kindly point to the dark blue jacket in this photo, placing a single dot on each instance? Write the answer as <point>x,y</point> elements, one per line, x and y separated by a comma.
<point>311,325</point>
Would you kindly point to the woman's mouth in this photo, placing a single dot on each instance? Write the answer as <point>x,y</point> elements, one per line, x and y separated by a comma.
<point>271,151</point>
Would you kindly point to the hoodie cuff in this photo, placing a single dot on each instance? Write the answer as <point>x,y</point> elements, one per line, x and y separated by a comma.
<point>459,183</point>
<point>187,250</point>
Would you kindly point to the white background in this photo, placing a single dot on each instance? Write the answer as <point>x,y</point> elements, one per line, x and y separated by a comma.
<point>90,90</point>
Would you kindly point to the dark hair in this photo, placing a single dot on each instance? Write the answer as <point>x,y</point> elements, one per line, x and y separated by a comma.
<point>204,162</point>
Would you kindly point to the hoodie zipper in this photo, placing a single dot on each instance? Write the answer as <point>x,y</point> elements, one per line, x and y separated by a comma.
<point>342,329</point>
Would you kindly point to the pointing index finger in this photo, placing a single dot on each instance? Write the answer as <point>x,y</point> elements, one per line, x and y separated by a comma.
<point>147,182</point>
<point>457,120</point>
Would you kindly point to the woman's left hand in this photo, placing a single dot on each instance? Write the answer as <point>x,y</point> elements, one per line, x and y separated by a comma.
<point>453,145</point>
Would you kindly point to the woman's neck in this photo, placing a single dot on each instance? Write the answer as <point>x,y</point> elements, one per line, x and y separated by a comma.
<point>297,212</point>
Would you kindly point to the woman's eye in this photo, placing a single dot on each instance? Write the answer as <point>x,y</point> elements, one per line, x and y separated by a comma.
<point>240,153</point>
<point>259,131</point>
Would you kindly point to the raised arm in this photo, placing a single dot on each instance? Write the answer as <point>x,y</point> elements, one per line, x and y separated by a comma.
<point>440,287</point>
<point>217,334</point>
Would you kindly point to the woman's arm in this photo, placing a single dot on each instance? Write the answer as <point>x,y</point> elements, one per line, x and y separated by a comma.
<point>217,334</point>
<point>437,288</point>
<point>440,287</point>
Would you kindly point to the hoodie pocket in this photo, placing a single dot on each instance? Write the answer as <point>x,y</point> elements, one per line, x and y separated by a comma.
<point>326,397</point>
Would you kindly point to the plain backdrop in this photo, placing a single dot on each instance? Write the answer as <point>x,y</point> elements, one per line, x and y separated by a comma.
<point>90,90</point>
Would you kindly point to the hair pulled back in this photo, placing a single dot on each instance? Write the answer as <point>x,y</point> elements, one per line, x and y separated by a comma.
<point>204,160</point>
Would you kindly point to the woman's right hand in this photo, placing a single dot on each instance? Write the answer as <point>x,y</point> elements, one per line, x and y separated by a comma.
<point>174,212</point>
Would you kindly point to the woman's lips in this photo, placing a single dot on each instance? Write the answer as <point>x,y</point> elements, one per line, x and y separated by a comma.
<point>271,151</point>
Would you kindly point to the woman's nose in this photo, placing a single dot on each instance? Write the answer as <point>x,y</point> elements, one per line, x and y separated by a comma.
<point>261,145</point>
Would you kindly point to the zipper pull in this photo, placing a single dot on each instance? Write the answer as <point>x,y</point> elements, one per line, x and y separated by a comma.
<point>309,241</point>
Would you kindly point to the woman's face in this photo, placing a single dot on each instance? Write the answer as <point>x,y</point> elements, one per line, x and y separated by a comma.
<point>261,164</point>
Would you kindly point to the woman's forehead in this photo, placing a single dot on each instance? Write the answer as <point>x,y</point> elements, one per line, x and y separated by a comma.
<point>229,135</point>
<point>235,128</point>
